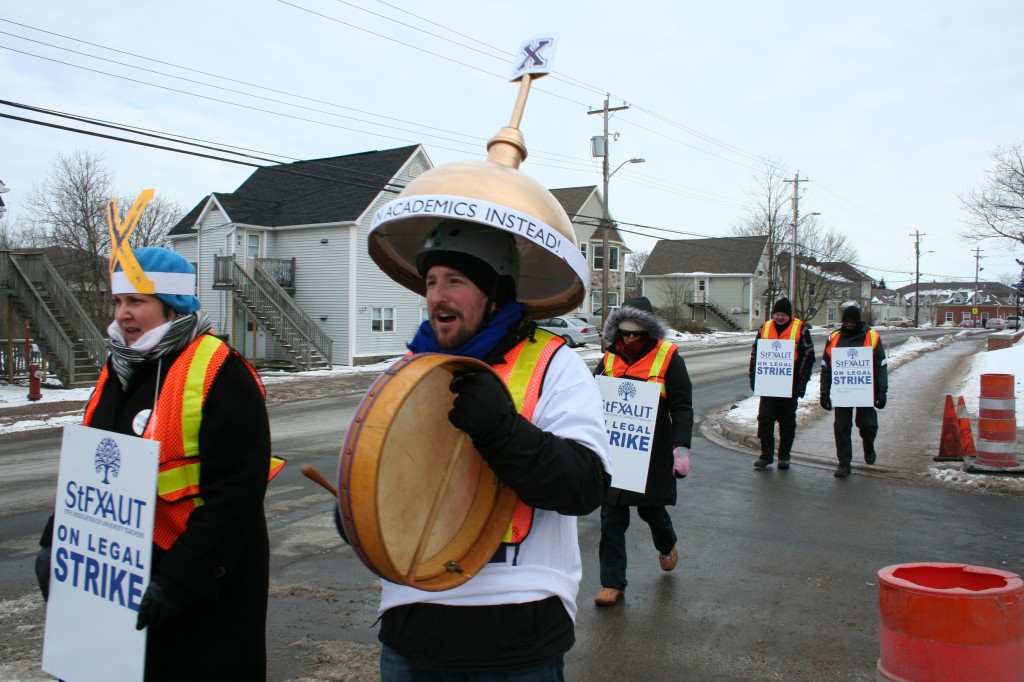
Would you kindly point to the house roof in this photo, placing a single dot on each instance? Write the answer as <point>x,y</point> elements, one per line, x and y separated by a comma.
<point>947,289</point>
<point>844,270</point>
<point>573,199</point>
<point>330,190</point>
<point>716,255</point>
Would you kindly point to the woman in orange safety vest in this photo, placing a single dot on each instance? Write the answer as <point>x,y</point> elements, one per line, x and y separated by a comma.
<point>167,378</point>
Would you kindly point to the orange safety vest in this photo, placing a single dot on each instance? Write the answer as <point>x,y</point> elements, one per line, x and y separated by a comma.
<point>870,339</point>
<point>651,367</point>
<point>791,332</point>
<point>523,372</point>
<point>175,424</point>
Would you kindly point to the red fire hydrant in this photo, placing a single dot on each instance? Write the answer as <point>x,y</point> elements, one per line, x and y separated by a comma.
<point>35,372</point>
<point>35,382</point>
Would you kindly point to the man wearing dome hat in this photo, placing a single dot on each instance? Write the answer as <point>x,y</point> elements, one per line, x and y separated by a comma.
<point>782,409</point>
<point>855,333</point>
<point>206,603</point>
<point>638,350</point>
<point>517,614</point>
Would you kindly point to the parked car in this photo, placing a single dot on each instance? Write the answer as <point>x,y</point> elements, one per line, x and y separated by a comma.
<point>968,323</point>
<point>1013,322</point>
<point>575,331</point>
<point>898,321</point>
<point>995,323</point>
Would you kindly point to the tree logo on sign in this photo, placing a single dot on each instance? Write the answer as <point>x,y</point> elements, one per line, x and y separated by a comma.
<point>107,459</point>
<point>776,345</point>
<point>852,353</point>
<point>627,390</point>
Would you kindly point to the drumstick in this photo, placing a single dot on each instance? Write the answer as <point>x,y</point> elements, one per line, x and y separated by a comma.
<point>314,475</point>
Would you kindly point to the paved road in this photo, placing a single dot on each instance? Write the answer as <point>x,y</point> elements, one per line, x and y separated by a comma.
<point>776,580</point>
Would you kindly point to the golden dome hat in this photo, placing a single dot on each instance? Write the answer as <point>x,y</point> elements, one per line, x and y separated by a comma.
<point>494,192</point>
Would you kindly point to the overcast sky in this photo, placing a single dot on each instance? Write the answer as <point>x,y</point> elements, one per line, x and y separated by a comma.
<point>891,110</point>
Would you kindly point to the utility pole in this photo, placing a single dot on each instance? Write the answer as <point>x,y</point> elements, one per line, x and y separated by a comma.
<point>917,277</point>
<point>792,256</point>
<point>606,219</point>
<point>974,299</point>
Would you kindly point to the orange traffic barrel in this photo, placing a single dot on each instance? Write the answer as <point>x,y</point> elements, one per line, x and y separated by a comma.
<point>997,421</point>
<point>945,621</point>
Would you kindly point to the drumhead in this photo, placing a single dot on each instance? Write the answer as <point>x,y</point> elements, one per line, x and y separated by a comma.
<point>418,503</point>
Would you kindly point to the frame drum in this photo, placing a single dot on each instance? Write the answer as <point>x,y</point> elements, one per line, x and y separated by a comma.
<point>419,505</point>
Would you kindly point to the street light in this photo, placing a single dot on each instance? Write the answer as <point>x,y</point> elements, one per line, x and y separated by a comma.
<point>606,224</point>
<point>792,262</point>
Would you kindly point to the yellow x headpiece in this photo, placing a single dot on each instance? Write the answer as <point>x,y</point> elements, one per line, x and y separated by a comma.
<point>120,248</point>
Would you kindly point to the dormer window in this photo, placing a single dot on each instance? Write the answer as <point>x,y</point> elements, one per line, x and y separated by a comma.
<point>958,299</point>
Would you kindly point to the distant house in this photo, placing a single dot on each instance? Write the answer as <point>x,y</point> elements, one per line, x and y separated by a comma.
<point>585,209</point>
<point>718,283</point>
<point>889,303</point>
<point>824,288</point>
<point>282,261</point>
<point>957,302</point>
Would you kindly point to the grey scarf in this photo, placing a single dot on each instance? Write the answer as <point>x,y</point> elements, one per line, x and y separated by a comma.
<point>182,331</point>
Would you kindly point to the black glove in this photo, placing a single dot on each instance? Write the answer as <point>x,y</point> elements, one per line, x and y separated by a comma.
<point>880,401</point>
<point>751,384</point>
<point>159,605</point>
<point>482,407</point>
<point>801,390</point>
<point>43,570</point>
<point>826,402</point>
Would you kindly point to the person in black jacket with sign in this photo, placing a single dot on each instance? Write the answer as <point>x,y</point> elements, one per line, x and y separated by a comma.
<point>853,333</point>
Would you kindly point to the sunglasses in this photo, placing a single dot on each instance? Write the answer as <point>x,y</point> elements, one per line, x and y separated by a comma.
<point>628,334</point>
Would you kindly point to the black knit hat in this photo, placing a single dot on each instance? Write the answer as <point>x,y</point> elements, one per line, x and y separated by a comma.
<point>851,314</point>
<point>783,306</point>
<point>501,289</point>
<point>640,303</point>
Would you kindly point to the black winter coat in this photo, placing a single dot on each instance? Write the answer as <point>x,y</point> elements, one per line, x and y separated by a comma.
<point>220,565</point>
<point>674,424</point>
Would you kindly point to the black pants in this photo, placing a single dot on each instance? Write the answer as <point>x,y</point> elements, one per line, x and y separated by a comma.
<point>867,424</point>
<point>612,548</point>
<point>771,410</point>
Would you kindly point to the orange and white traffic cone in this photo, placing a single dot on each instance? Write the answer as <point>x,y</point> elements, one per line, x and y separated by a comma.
<point>997,422</point>
<point>966,435</point>
<point>951,448</point>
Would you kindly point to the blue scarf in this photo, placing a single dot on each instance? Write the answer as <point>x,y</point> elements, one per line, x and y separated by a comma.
<point>479,346</point>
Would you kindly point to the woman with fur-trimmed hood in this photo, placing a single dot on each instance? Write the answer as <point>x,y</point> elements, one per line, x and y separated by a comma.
<point>637,349</point>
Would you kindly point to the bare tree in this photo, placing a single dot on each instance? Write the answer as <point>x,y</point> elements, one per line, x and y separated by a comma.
<point>67,214</point>
<point>674,291</point>
<point>819,249</point>
<point>996,209</point>
<point>770,216</point>
<point>635,263</point>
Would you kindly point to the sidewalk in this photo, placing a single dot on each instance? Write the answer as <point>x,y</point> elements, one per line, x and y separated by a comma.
<point>909,426</point>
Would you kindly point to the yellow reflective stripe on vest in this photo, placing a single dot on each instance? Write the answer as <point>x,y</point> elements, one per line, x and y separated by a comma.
<point>192,399</point>
<point>526,364</point>
<point>178,478</point>
<point>657,367</point>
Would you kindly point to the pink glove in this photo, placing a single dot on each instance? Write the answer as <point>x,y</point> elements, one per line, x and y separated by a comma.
<point>681,457</point>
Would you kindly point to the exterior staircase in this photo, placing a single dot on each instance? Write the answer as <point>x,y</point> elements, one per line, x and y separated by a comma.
<point>700,299</point>
<point>74,348</point>
<point>278,315</point>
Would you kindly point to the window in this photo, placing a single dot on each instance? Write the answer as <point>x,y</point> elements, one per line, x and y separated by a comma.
<point>831,315</point>
<point>583,249</point>
<point>957,299</point>
<point>811,288</point>
<point>595,300</point>
<point>964,317</point>
<point>382,319</point>
<point>253,250</point>
<point>613,299</point>
<point>949,316</point>
<point>702,285</point>
<point>613,262</point>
